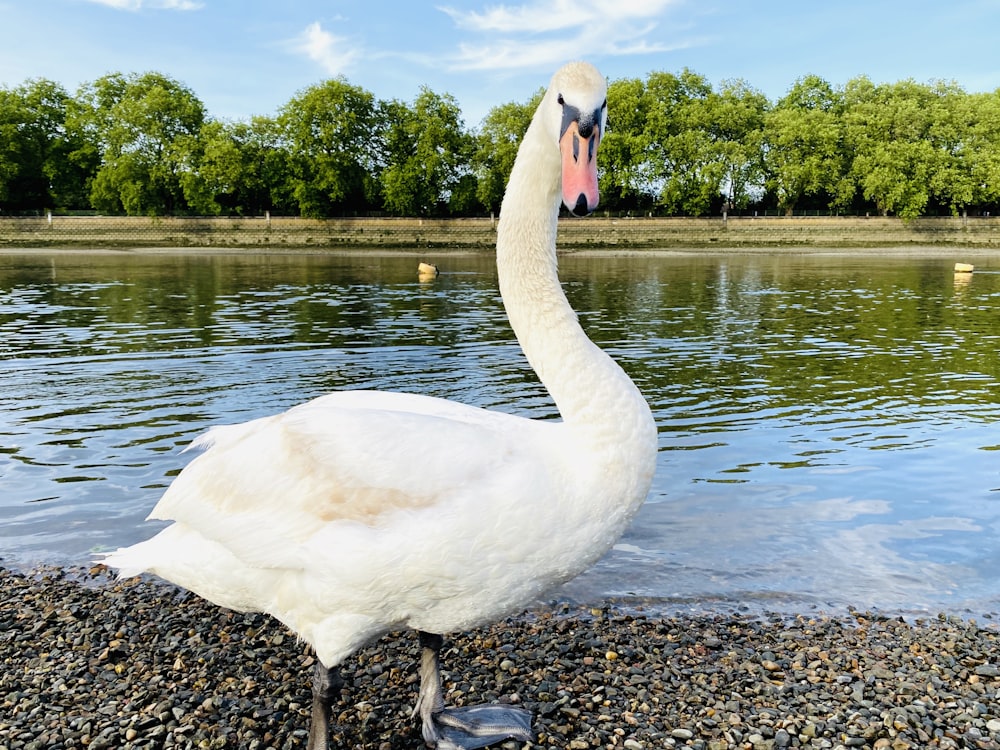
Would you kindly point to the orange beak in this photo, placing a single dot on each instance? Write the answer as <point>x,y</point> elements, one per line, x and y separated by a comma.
<point>579,168</point>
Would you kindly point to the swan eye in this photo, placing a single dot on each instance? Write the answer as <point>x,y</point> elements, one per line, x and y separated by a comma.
<point>570,115</point>
<point>561,100</point>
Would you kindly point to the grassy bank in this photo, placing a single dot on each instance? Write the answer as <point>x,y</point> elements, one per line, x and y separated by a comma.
<point>596,232</point>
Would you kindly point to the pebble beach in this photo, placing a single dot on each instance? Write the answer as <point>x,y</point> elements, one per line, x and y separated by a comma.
<point>90,662</point>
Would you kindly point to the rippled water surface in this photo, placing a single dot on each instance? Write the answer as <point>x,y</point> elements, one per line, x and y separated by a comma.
<point>829,426</point>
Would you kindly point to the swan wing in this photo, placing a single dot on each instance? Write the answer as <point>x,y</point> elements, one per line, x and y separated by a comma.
<point>267,488</point>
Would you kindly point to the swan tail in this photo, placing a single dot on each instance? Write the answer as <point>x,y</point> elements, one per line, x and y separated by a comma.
<point>195,563</point>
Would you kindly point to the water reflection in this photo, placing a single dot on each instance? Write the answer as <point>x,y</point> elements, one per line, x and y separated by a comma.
<point>827,423</point>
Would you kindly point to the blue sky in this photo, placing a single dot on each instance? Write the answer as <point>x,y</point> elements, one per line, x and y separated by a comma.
<point>251,57</point>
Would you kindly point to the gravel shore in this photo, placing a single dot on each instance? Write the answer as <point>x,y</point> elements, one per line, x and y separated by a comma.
<point>89,662</point>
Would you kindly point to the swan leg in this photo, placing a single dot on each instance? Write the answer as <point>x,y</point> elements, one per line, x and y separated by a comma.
<point>461,728</point>
<point>326,685</point>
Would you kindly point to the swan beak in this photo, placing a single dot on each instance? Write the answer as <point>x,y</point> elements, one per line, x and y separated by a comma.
<point>579,167</point>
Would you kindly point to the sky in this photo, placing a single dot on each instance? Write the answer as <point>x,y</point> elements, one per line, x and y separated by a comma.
<point>251,57</point>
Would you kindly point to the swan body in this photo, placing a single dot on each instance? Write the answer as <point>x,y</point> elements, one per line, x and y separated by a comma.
<point>362,512</point>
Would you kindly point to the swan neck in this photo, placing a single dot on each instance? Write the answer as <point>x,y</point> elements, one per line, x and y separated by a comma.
<point>588,387</point>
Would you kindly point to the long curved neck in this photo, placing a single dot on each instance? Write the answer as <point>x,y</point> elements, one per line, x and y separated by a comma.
<point>590,390</point>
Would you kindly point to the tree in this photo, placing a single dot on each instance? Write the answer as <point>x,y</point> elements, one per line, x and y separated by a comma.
<point>804,154</point>
<point>496,147</point>
<point>12,117</point>
<point>681,158</point>
<point>245,166</point>
<point>966,135</point>
<point>144,144</point>
<point>627,179</point>
<point>333,135</point>
<point>888,129</point>
<point>147,130</point>
<point>735,116</point>
<point>37,169</point>
<point>982,150</point>
<point>427,155</point>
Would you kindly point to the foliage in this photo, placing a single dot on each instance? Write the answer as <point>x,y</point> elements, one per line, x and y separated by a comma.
<point>246,167</point>
<point>627,181</point>
<point>676,144</point>
<point>736,123</point>
<point>427,152</point>
<point>804,156</point>
<point>332,132</point>
<point>147,130</point>
<point>496,148</point>
<point>38,164</point>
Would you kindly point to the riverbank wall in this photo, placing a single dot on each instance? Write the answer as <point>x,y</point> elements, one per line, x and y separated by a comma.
<point>595,232</point>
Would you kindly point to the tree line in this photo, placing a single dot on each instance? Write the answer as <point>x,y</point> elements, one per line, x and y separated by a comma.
<point>144,144</point>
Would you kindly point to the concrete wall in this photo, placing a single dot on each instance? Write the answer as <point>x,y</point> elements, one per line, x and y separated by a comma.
<point>593,232</point>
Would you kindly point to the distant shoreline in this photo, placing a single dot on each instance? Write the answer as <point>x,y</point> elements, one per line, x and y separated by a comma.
<point>900,251</point>
<point>797,234</point>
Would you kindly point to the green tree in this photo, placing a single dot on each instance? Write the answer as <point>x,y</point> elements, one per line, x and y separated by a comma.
<point>147,130</point>
<point>888,129</point>
<point>37,168</point>
<point>982,151</point>
<point>678,131</point>
<point>804,155</point>
<point>333,133</point>
<point>428,151</point>
<point>12,117</point>
<point>627,179</point>
<point>496,146</point>
<point>245,166</point>
<point>966,136</point>
<point>735,116</point>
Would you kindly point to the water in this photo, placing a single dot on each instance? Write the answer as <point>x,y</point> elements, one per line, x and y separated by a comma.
<point>828,425</point>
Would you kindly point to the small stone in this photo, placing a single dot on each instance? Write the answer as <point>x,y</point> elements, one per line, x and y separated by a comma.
<point>242,686</point>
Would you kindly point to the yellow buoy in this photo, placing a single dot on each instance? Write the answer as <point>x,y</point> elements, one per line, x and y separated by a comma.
<point>963,267</point>
<point>427,271</point>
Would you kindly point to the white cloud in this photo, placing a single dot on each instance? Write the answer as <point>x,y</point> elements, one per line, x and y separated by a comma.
<point>549,16</point>
<point>152,4</point>
<point>331,52</point>
<point>550,31</point>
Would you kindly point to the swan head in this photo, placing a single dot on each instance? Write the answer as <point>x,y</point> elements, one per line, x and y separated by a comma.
<point>576,110</point>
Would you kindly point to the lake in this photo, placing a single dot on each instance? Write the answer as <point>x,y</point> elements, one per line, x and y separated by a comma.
<point>829,424</point>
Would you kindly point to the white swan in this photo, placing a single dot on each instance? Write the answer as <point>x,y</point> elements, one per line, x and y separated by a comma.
<point>363,512</point>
